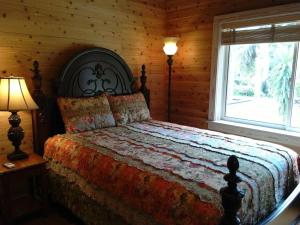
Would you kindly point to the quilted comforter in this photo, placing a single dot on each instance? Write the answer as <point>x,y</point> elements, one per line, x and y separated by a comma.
<point>171,174</point>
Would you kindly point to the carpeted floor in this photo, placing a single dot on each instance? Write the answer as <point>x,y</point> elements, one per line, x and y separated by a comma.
<point>296,221</point>
<point>55,216</point>
<point>290,216</point>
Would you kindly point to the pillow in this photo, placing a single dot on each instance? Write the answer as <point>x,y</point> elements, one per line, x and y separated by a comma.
<point>88,113</point>
<point>129,108</point>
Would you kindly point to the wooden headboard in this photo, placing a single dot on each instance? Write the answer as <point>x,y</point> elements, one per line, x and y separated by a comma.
<point>95,71</point>
<point>89,73</point>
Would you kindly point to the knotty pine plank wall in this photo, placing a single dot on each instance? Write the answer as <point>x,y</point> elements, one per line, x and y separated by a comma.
<point>52,31</point>
<point>192,21</point>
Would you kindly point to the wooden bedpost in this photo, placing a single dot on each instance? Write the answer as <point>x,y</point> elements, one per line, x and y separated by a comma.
<point>231,195</point>
<point>37,115</point>
<point>144,89</point>
<point>42,118</point>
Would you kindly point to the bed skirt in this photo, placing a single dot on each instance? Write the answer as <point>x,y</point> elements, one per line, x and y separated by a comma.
<point>88,210</point>
<point>91,211</point>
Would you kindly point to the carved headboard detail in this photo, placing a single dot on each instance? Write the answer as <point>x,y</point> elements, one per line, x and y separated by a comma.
<point>89,73</point>
<point>95,71</point>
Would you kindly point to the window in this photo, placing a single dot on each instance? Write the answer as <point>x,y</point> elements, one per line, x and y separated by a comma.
<point>260,84</point>
<point>256,68</point>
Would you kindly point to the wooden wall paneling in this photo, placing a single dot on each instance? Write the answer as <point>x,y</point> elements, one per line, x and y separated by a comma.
<point>52,31</point>
<point>192,21</point>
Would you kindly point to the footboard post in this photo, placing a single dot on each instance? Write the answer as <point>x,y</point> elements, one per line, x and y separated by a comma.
<point>231,195</point>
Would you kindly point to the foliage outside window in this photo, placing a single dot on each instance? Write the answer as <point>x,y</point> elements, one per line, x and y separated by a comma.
<point>260,82</point>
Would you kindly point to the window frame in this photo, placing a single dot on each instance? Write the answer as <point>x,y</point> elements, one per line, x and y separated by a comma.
<point>219,77</point>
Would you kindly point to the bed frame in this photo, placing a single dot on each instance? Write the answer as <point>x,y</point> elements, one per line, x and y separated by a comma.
<point>97,70</point>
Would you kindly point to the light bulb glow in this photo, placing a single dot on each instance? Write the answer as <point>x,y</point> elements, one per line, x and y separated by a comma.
<point>170,47</point>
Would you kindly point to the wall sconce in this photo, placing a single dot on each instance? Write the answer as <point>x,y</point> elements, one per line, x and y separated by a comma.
<point>14,97</point>
<point>170,49</point>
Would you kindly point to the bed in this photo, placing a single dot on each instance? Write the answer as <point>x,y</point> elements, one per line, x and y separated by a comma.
<point>154,172</point>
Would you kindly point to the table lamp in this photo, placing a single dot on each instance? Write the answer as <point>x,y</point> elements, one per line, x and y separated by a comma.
<point>14,97</point>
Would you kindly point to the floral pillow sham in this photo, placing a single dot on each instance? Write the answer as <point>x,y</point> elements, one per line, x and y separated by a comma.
<point>129,108</point>
<point>87,113</point>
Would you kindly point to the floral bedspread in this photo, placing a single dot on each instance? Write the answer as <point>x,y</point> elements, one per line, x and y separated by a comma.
<point>173,173</point>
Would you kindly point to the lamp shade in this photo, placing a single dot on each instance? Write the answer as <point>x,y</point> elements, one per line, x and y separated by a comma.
<point>14,95</point>
<point>170,47</point>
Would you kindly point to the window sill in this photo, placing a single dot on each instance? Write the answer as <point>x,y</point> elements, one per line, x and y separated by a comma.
<point>287,138</point>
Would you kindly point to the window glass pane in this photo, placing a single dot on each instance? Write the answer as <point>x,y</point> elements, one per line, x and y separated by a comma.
<point>296,102</point>
<point>258,83</point>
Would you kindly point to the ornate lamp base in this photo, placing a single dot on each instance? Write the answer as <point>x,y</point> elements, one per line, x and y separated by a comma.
<point>17,155</point>
<point>15,135</point>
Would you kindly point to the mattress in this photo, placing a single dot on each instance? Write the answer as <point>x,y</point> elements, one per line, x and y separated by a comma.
<point>156,172</point>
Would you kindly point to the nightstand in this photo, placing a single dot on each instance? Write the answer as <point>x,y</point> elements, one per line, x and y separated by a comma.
<point>23,189</point>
